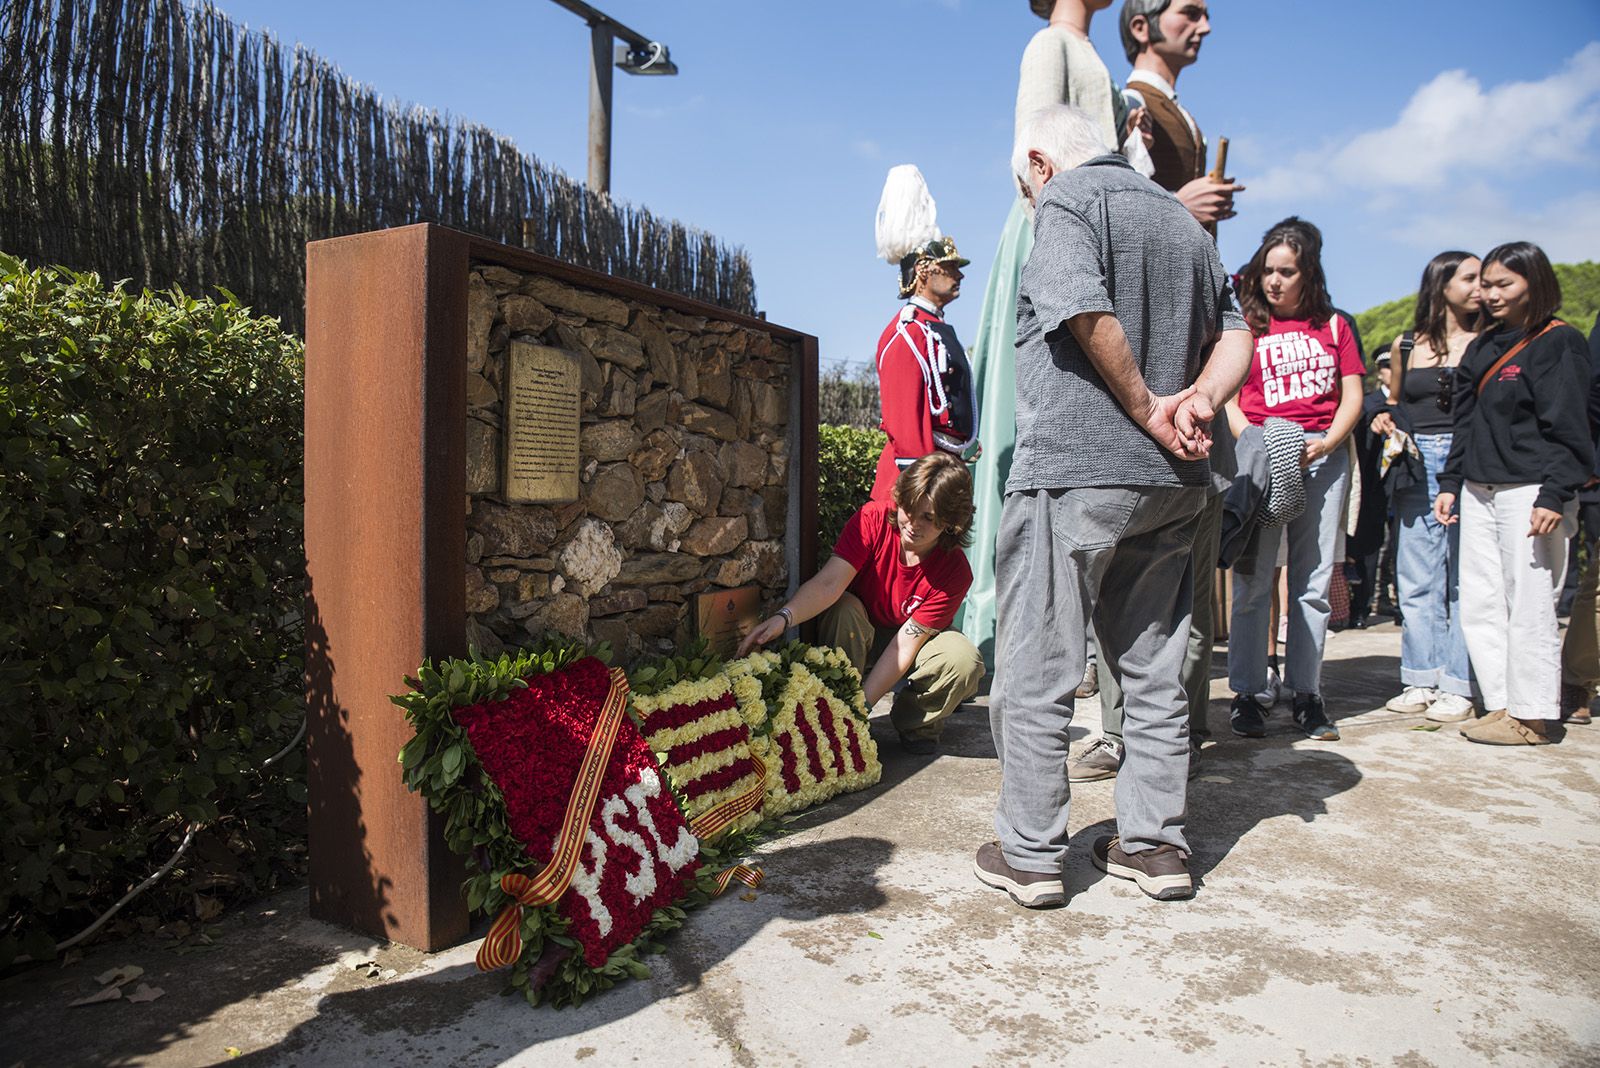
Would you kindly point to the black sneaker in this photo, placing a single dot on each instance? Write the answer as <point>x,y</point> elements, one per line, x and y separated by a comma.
<point>1310,717</point>
<point>1247,718</point>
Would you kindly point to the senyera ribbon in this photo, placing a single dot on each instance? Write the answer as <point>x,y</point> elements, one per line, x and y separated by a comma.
<point>714,821</point>
<point>503,945</point>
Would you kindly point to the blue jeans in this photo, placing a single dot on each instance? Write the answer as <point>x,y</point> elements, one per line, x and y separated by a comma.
<point>1433,651</point>
<point>1313,539</point>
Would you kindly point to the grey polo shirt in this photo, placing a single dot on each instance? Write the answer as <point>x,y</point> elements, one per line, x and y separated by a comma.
<point>1107,239</point>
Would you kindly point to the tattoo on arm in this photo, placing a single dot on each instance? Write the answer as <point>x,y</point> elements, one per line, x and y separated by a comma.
<point>913,629</point>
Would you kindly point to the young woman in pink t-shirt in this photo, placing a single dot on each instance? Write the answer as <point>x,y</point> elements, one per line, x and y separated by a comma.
<point>1307,370</point>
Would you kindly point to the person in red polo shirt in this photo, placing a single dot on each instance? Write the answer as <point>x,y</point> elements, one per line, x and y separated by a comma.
<point>891,589</point>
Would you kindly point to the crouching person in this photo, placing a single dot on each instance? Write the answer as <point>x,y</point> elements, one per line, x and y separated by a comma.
<point>889,594</point>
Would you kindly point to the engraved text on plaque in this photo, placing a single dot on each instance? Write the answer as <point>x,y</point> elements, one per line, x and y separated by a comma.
<point>541,409</point>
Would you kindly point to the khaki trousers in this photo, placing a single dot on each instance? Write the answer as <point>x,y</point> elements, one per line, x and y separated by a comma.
<point>946,672</point>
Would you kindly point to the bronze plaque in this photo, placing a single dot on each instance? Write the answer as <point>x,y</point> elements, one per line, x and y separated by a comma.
<point>724,617</point>
<point>541,416</point>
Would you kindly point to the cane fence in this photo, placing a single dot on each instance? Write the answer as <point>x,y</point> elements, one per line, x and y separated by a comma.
<point>145,139</point>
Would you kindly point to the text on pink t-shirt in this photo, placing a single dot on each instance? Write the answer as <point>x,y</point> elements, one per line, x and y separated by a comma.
<point>1297,371</point>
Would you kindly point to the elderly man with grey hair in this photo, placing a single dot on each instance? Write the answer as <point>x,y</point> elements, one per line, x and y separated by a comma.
<point>1129,340</point>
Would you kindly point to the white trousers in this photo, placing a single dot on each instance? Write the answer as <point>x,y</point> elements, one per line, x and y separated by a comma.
<point>1509,587</point>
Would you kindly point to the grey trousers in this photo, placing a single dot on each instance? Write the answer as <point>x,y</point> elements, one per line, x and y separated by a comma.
<point>1120,557</point>
<point>1202,635</point>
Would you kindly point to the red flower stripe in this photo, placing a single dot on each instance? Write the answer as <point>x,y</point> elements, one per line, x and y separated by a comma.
<point>711,743</point>
<point>857,761</point>
<point>813,761</point>
<point>721,779</point>
<point>791,776</point>
<point>674,716</point>
<point>830,731</point>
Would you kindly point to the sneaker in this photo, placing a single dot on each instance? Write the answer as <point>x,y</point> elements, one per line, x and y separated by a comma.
<point>1412,700</point>
<point>1506,730</point>
<point>1269,697</point>
<point>1162,872</point>
<point>1310,717</point>
<point>1030,889</point>
<point>1450,708</point>
<point>1247,718</point>
<point>1575,701</point>
<point>919,746</point>
<point>1090,686</point>
<point>1101,760</point>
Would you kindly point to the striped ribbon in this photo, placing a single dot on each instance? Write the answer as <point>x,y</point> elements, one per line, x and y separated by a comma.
<point>503,945</point>
<point>713,821</point>
<point>751,877</point>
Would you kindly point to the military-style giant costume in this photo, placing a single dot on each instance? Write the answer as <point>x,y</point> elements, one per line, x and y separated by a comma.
<point>925,382</point>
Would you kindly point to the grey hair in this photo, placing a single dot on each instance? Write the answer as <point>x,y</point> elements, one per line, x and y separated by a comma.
<point>1064,134</point>
<point>1131,9</point>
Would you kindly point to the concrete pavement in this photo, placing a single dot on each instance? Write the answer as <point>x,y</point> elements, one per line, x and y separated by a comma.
<point>1399,897</point>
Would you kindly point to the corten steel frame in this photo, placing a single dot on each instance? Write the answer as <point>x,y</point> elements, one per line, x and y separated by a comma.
<point>385,530</point>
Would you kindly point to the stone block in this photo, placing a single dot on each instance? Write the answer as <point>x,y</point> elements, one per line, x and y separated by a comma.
<point>566,613</point>
<point>702,420</point>
<point>655,410</point>
<point>613,346</point>
<point>483,457</point>
<point>735,501</point>
<point>670,594</point>
<point>501,278</point>
<point>616,492</point>
<point>769,405</point>
<point>695,482</point>
<point>483,639</point>
<point>590,560</point>
<point>524,315</point>
<point>657,621</point>
<point>480,394</point>
<point>655,569</point>
<point>517,530</point>
<point>626,646</point>
<point>474,547</point>
<point>713,379</point>
<point>630,599</point>
<point>596,307</point>
<point>482,307</point>
<point>715,536</point>
<point>622,395</point>
<point>657,347</point>
<point>641,529</point>
<point>744,464</point>
<point>609,441</point>
<point>482,595</point>
<point>655,458</point>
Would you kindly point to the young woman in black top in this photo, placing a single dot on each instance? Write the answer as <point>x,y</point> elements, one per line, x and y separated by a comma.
<point>1520,453</point>
<point>1434,670</point>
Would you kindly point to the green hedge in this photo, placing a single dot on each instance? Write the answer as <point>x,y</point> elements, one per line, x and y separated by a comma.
<point>847,459</point>
<point>152,560</point>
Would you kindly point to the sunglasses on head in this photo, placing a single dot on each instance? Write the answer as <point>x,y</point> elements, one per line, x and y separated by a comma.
<point>1447,380</point>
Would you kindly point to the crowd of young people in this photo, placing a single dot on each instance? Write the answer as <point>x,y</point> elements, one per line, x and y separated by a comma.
<point>1138,452</point>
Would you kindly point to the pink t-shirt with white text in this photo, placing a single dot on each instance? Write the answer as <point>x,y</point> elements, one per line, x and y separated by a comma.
<point>1297,371</point>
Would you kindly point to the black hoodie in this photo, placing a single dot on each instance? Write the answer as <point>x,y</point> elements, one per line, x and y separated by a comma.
<point>1531,422</point>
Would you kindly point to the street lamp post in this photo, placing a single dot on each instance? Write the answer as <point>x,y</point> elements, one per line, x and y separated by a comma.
<point>636,54</point>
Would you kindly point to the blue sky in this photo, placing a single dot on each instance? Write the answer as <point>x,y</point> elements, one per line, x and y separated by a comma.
<point>1401,128</point>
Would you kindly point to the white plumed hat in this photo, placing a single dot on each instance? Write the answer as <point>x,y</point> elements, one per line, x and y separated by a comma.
<point>907,215</point>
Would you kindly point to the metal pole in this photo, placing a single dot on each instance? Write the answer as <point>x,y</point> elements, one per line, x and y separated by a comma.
<point>600,60</point>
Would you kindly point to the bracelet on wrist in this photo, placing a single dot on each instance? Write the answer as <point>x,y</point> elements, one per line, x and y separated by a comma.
<point>787,615</point>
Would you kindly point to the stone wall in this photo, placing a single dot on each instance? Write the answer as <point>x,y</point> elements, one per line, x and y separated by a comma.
<point>685,450</point>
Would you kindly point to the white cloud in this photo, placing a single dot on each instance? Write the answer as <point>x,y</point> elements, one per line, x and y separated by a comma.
<point>867,148</point>
<point>1450,127</point>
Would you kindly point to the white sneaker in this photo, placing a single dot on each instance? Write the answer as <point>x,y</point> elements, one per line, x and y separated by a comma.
<point>1269,697</point>
<point>1415,699</point>
<point>1450,708</point>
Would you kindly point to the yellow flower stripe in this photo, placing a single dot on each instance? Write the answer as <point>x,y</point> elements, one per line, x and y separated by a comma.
<point>798,698</point>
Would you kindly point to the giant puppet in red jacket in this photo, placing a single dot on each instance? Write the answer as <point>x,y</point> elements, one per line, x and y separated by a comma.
<point>925,383</point>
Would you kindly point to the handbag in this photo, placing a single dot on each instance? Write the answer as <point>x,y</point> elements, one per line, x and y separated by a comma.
<point>1406,469</point>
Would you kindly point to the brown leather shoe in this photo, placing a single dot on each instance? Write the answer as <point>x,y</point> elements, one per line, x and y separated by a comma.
<point>1508,730</point>
<point>1090,686</point>
<point>1575,701</point>
<point>1469,729</point>
<point>1030,889</point>
<point>1162,872</point>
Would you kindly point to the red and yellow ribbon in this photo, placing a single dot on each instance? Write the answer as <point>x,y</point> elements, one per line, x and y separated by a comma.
<point>503,945</point>
<point>751,877</point>
<point>713,821</point>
